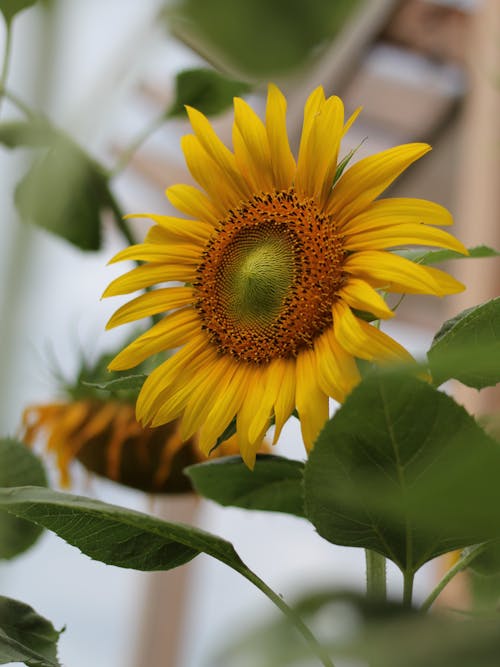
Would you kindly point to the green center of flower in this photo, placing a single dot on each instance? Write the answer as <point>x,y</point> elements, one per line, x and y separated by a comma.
<point>269,277</point>
<point>256,277</point>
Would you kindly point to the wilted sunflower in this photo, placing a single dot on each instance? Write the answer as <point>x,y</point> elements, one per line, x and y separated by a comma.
<point>278,259</point>
<point>104,435</point>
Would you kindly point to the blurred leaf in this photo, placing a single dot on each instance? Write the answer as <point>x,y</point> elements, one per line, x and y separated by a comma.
<point>65,192</point>
<point>473,331</point>
<point>10,8</point>
<point>488,561</point>
<point>34,133</point>
<point>18,467</point>
<point>258,38</point>
<point>205,90</point>
<point>381,634</point>
<point>275,484</point>
<point>25,636</point>
<point>125,383</point>
<point>404,470</point>
<point>438,256</point>
<point>115,535</point>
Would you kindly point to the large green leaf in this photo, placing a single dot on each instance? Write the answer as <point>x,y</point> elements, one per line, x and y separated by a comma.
<point>65,192</point>
<point>18,467</point>
<point>9,8</point>
<point>25,636</point>
<point>205,90</point>
<point>405,471</point>
<point>115,535</point>
<point>473,334</point>
<point>275,484</point>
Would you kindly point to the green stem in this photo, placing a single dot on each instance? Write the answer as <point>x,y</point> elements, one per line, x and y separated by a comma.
<point>408,578</point>
<point>311,640</point>
<point>460,565</point>
<point>6,59</point>
<point>376,587</point>
<point>134,146</point>
<point>120,222</point>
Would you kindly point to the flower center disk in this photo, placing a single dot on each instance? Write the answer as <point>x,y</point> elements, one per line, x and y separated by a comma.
<point>269,277</point>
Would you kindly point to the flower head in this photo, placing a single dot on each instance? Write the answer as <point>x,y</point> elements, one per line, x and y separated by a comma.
<point>278,257</point>
<point>104,436</point>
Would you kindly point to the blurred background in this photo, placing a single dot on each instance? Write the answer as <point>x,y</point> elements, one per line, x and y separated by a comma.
<point>102,71</point>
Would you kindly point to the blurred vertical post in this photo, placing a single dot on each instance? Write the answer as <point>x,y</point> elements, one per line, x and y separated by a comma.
<point>478,205</point>
<point>163,617</point>
<point>478,191</point>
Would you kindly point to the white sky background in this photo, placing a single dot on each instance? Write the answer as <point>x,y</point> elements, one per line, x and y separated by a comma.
<point>50,293</point>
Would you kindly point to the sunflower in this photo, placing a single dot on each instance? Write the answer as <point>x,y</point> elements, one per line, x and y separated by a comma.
<point>279,261</point>
<point>105,437</point>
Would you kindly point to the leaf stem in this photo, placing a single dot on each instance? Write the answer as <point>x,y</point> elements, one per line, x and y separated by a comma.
<point>136,143</point>
<point>6,59</point>
<point>306,633</point>
<point>376,586</point>
<point>461,564</point>
<point>408,578</point>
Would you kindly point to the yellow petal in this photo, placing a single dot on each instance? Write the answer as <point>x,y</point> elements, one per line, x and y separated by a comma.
<point>253,151</point>
<point>282,159</point>
<point>205,395</point>
<point>175,230</point>
<point>174,253</point>
<point>397,274</point>
<point>352,118</point>
<point>313,104</point>
<point>192,202</point>
<point>360,295</point>
<point>312,402</point>
<point>249,408</point>
<point>219,153</point>
<point>172,331</point>
<point>151,303</point>
<point>395,211</point>
<point>368,178</point>
<point>338,372</point>
<point>317,162</point>
<point>225,408</point>
<point>401,235</point>
<point>163,378</point>
<point>171,402</point>
<point>148,275</point>
<point>285,399</point>
<point>362,339</point>
<point>209,175</point>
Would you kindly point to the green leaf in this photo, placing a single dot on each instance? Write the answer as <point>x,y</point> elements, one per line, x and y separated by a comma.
<point>404,470</point>
<point>259,38</point>
<point>275,484</point>
<point>364,632</point>
<point>18,467</point>
<point>33,133</point>
<point>115,535</point>
<point>438,256</point>
<point>206,90</point>
<point>25,636</point>
<point>125,383</point>
<point>472,334</point>
<point>10,8</point>
<point>65,193</point>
